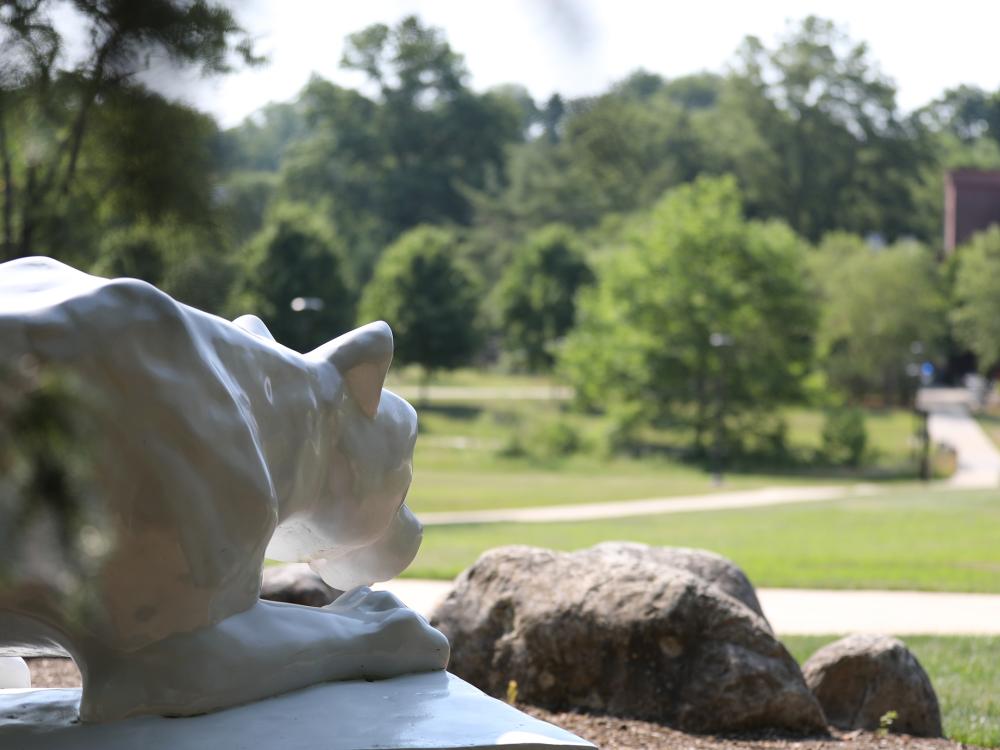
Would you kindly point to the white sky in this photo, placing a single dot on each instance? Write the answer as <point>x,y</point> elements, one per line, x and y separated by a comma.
<point>578,47</point>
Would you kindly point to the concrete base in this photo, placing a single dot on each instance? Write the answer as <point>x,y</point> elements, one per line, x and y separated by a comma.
<point>430,711</point>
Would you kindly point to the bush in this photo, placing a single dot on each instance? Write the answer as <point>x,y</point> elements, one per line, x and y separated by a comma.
<point>555,440</point>
<point>845,436</point>
<point>763,436</point>
<point>944,461</point>
<point>542,440</point>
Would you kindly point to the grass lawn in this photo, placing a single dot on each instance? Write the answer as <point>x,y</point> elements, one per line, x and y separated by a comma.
<point>991,425</point>
<point>460,462</point>
<point>906,539</point>
<point>965,672</point>
<point>447,479</point>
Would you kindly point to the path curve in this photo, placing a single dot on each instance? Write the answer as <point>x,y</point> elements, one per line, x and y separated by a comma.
<point>949,421</point>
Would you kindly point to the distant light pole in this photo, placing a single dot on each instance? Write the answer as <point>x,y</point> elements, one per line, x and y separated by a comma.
<point>915,370</point>
<point>719,341</point>
<point>306,323</point>
<point>301,304</point>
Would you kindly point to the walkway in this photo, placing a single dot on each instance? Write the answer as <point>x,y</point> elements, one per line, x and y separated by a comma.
<point>949,421</point>
<point>415,393</point>
<point>653,506</point>
<point>812,612</point>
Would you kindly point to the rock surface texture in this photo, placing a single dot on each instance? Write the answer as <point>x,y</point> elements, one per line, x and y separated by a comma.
<point>859,679</point>
<point>296,583</point>
<point>715,569</point>
<point>613,630</point>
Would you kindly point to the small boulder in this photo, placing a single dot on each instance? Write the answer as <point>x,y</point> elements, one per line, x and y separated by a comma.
<point>296,583</point>
<point>613,631</point>
<point>861,678</point>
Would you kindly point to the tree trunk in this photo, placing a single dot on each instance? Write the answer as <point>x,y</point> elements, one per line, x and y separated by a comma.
<point>8,191</point>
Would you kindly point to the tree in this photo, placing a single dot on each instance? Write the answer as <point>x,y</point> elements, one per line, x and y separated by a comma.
<point>976,315</point>
<point>882,310</point>
<point>408,155</point>
<point>701,317</point>
<point>177,258</point>
<point>813,132</point>
<point>296,279</point>
<point>46,107</point>
<point>428,298</point>
<point>49,514</point>
<point>537,294</point>
<point>967,112</point>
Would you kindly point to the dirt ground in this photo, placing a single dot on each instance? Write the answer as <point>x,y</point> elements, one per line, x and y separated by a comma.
<point>610,733</point>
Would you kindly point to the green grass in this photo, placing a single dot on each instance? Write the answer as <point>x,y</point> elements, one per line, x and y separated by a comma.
<point>474,480</point>
<point>459,465</point>
<point>889,433</point>
<point>965,672</point>
<point>991,425</point>
<point>907,539</point>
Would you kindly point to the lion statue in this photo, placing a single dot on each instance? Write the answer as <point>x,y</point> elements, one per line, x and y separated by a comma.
<point>215,447</point>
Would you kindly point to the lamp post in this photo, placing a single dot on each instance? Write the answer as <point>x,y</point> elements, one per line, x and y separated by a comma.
<point>306,322</point>
<point>719,341</point>
<point>915,370</point>
<point>301,304</point>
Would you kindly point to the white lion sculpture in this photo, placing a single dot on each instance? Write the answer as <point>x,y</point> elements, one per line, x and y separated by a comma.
<point>217,447</point>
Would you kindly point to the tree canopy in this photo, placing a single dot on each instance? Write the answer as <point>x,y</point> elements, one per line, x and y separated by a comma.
<point>701,310</point>
<point>428,298</point>
<point>882,311</point>
<point>297,280</point>
<point>976,316</point>
<point>537,295</point>
<point>47,101</point>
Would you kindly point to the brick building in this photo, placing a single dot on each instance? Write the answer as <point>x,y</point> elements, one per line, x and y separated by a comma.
<point>971,203</point>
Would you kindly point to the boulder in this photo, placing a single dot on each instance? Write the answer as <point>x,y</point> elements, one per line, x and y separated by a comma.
<point>296,583</point>
<point>861,678</point>
<point>612,631</point>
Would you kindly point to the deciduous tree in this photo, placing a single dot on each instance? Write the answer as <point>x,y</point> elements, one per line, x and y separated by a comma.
<point>702,317</point>
<point>537,295</point>
<point>428,298</point>
<point>976,315</point>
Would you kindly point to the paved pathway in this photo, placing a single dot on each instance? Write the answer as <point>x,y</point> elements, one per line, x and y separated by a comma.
<point>812,612</point>
<point>949,422</point>
<point>653,506</point>
<point>483,392</point>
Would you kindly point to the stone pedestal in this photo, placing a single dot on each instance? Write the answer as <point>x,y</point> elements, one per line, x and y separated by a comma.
<point>429,711</point>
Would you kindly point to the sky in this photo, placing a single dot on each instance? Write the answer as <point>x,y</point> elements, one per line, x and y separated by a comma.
<point>579,47</point>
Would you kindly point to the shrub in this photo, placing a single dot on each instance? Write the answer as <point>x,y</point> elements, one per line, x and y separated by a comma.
<point>845,436</point>
<point>555,440</point>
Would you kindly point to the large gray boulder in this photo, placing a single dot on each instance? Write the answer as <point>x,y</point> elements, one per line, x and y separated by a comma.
<point>861,678</point>
<point>296,583</point>
<point>613,631</point>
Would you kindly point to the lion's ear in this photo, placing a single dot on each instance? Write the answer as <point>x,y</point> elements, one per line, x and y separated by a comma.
<point>363,357</point>
<point>253,324</point>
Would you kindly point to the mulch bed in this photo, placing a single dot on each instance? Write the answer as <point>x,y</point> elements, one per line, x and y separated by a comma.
<point>611,733</point>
